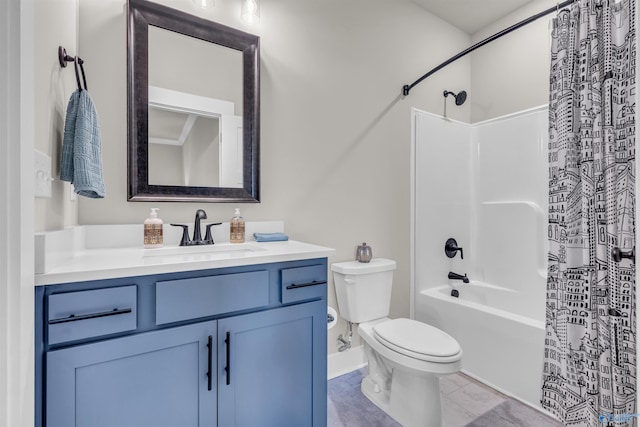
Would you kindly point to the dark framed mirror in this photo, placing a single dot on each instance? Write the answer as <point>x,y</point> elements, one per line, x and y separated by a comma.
<point>193,108</point>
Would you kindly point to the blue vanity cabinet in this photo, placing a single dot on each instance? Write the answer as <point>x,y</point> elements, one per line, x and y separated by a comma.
<point>158,378</point>
<point>231,347</point>
<point>269,366</point>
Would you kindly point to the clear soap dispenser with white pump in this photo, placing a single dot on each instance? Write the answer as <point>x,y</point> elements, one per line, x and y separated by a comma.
<point>153,230</point>
<point>237,228</point>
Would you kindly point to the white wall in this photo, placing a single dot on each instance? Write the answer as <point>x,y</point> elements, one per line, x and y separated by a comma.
<point>55,25</point>
<point>512,73</point>
<point>335,132</point>
<point>16,210</point>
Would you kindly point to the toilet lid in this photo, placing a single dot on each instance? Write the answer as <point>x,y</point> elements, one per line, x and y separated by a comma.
<point>416,339</point>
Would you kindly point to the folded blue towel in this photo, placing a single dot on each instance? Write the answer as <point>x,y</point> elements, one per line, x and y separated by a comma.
<point>270,237</point>
<point>81,161</point>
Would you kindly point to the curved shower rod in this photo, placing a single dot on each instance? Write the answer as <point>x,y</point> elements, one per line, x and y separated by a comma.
<point>407,88</point>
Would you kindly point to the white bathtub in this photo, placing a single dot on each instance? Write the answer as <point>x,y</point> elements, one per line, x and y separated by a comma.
<point>500,348</point>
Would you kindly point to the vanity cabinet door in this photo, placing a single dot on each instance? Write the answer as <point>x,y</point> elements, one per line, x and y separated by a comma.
<point>162,378</point>
<point>272,367</point>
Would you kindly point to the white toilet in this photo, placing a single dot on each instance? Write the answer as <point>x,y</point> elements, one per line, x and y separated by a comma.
<point>405,356</point>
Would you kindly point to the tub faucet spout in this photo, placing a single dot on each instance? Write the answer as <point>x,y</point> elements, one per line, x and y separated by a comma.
<point>456,276</point>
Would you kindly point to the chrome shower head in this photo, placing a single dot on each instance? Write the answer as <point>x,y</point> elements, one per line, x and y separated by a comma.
<point>460,97</point>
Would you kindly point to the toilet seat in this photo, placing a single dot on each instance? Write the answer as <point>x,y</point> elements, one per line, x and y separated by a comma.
<point>417,340</point>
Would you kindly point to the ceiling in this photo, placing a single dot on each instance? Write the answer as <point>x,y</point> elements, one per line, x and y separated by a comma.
<point>471,15</point>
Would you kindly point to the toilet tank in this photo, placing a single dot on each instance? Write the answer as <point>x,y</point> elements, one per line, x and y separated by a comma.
<point>363,289</point>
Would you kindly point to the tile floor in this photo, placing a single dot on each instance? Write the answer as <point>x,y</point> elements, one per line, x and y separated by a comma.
<point>465,402</point>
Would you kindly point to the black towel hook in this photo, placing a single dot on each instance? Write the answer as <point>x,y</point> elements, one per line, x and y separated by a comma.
<point>80,62</point>
<point>63,58</point>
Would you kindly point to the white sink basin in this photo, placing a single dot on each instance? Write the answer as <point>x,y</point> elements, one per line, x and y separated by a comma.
<point>229,249</point>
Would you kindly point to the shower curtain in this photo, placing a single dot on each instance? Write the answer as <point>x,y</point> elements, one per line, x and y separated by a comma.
<point>589,373</point>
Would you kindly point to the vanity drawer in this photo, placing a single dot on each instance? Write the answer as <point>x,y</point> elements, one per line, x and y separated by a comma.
<point>303,283</point>
<point>86,314</point>
<point>185,299</point>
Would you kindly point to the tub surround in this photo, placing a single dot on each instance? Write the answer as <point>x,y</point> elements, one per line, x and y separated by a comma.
<point>495,210</point>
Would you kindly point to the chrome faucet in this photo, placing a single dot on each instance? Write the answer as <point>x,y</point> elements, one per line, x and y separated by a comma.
<point>456,276</point>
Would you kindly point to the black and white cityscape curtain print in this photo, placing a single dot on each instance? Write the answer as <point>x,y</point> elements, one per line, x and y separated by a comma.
<point>589,373</point>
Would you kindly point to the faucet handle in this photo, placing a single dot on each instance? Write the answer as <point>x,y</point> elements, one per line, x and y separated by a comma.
<point>451,247</point>
<point>208,238</point>
<point>185,234</point>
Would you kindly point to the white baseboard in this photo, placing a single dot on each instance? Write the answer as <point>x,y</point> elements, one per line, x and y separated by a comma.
<point>341,363</point>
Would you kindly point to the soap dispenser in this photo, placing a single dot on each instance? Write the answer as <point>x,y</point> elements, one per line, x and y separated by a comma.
<point>153,230</point>
<point>237,228</point>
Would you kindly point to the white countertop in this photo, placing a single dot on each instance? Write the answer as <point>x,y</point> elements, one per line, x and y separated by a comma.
<point>108,263</point>
<point>94,252</point>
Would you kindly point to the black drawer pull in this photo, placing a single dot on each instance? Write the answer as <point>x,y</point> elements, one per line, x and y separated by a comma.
<point>227,368</point>
<point>74,318</point>
<point>209,362</point>
<point>304,285</point>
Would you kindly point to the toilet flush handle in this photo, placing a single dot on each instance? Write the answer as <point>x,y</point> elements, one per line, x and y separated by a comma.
<point>350,280</point>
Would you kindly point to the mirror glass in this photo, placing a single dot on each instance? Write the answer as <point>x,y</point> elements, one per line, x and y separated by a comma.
<point>193,108</point>
<point>186,121</point>
<point>183,149</point>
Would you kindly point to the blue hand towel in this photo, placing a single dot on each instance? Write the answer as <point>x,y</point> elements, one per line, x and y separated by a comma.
<point>81,162</point>
<point>270,237</point>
